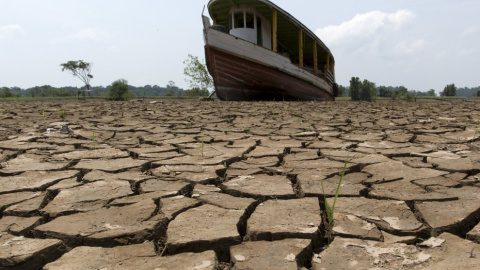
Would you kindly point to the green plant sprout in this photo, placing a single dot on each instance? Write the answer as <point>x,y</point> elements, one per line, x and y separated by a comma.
<point>93,140</point>
<point>331,212</point>
<point>246,129</point>
<point>475,135</point>
<point>433,232</point>
<point>62,114</point>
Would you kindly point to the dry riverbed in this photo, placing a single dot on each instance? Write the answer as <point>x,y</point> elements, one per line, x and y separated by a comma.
<point>212,185</point>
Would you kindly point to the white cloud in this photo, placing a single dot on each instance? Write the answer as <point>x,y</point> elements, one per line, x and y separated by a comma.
<point>471,30</point>
<point>465,52</point>
<point>86,34</point>
<point>9,31</point>
<point>441,55</point>
<point>90,34</point>
<point>364,25</point>
<point>405,47</point>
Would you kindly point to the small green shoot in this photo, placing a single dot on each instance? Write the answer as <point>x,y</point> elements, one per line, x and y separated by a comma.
<point>475,135</point>
<point>93,140</point>
<point>433,232</point>
<point>62,114</point>
<point>246,129</point>
<point>331,211</point>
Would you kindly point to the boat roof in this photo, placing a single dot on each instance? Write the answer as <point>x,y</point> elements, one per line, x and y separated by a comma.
<point>221,8</point>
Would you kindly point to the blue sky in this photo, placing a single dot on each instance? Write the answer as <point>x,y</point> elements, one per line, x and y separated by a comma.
<point>422,44</point>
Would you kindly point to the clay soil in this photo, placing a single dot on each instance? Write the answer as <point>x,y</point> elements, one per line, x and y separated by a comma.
<point>188,184</point>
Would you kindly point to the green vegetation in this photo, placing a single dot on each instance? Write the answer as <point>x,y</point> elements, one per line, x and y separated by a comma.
<point>449,91</point>
<point>81,70</point>
<point>341,91</point>
<point>355,88</point>
<point>331,211</point>
<point>7,93</point>
<point>475,135</point>
<point>198,77</point>
<point>362,91</point>
<point>433,231</point>
<point>93,140</point>
<point>62,114</point>
<point>119,90</point>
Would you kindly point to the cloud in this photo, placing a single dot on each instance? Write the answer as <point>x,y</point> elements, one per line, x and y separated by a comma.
<point>471,30</point>
<point>9,31</point>
<point>405,47</point>
<point>86,34</point>
<point>364,26</point>
<point>90,34</point>
<point>441,55</point>
<point>465,52</point>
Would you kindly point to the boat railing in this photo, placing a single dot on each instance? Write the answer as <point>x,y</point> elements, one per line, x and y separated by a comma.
<point>328,77</point>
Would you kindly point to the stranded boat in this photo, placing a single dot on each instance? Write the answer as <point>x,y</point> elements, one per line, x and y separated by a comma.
<point>257,51</point>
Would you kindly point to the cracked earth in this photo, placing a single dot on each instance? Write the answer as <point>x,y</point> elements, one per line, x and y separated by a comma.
<point>178,184</point>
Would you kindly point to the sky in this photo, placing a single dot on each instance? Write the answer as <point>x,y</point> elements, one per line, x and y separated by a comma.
<point>420,44</point>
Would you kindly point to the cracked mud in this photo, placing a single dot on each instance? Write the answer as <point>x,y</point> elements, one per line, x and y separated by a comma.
<point>217,185</point>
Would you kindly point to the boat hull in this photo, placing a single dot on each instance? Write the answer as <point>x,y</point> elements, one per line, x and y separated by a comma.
<point>238,78</point>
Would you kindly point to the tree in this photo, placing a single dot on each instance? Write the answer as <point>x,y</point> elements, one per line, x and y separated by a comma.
<point>449,90</point>
<point>355,85</point>
<point>383,91</point>
<point>478,93</point>
<point>367,90</point>
<point>197,73</point>
<point>79,69</point>
<point>341,91</point>
<point>197,92</point>
<point>431,93</point>
<point>119,90</point>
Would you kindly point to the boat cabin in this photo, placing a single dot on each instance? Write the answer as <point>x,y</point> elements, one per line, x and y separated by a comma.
<point>248,24</point>
<point>263,23</point>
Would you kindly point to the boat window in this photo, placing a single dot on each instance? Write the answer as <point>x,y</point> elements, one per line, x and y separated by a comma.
<point>250,19</point>
<point>238,21</point>
<point>259,32</point>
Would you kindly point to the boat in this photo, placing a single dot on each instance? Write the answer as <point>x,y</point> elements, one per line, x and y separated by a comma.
<point>254,50</point>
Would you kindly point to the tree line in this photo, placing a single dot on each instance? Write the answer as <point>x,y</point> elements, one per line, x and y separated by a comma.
<point>196,72</point>
<point>99,91</point>
<point>366,90</point>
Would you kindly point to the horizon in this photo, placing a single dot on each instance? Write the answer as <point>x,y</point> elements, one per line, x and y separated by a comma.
<point>402,43</point>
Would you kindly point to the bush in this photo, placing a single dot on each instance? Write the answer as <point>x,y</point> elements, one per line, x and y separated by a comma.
<point>449,91</point>
<point>197,92</point>
<point>354,91</point>
<point>119,90</point>
<point>6,93</point>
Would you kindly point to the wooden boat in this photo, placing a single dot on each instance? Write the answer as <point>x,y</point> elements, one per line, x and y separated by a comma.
<point>257,51</point>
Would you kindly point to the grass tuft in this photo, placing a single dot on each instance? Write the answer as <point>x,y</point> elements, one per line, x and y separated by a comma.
<point>331,211</point>
<point>475,135</point>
